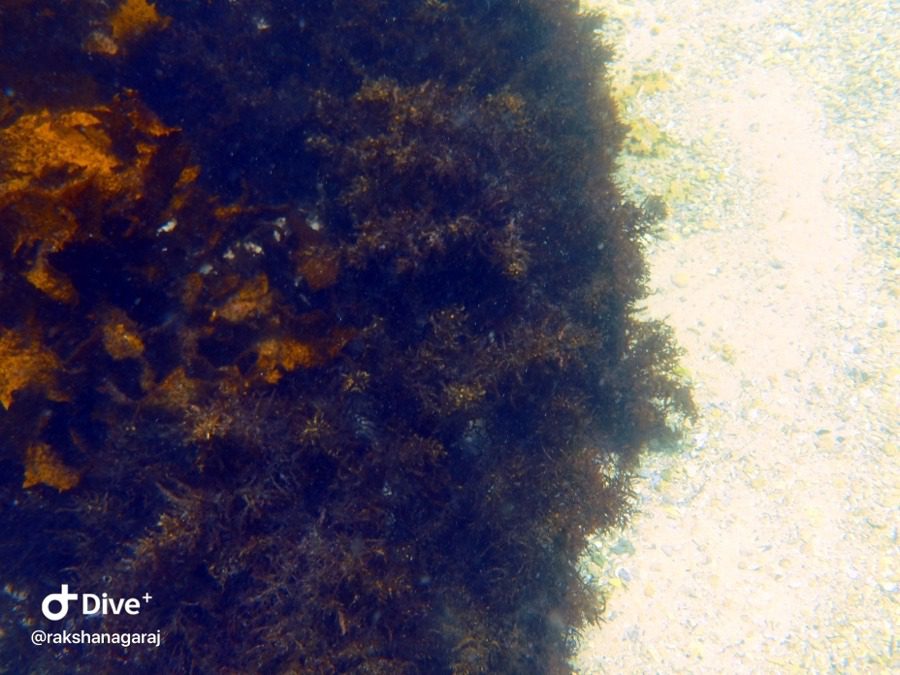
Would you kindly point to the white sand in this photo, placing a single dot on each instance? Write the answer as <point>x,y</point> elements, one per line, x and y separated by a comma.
<point>770,544</point>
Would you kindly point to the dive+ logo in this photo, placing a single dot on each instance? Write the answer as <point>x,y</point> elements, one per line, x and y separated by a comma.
<point>56,605</point>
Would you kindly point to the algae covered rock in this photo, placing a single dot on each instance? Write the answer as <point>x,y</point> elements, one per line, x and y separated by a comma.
<point>320,319</point>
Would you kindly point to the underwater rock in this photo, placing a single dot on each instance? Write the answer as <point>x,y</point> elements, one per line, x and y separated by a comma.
<point>318,325</point>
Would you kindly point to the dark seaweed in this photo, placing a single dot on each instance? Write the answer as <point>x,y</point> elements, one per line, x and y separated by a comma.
<point>419,194</point>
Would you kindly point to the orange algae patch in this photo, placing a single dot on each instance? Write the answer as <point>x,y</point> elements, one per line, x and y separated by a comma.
<point>176,391</point>
<point>25,363</point>
<point>188,175</point>
<point>228,212</point>
<point>278,355</point>
<point>40,217</point>
<point>181,191</point>
<point>121,338</point>
<point>131,20</point>
<point>54,283</point>
<point>274,355</point>
<point>253,299</point>
<point>44,467</point>
<point>50,161</point>
<point>320,269</point>
<point>72,143</point>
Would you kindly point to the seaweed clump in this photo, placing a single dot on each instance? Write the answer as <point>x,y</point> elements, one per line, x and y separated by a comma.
<point>317,323</point>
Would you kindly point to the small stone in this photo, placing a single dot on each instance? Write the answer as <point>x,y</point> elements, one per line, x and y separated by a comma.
<point>680,279</point>
<point>695,649</point>
<point>825,442</point>
<point>623,546</point>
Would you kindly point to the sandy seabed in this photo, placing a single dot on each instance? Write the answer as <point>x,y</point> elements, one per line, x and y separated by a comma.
<point>769,541</point>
